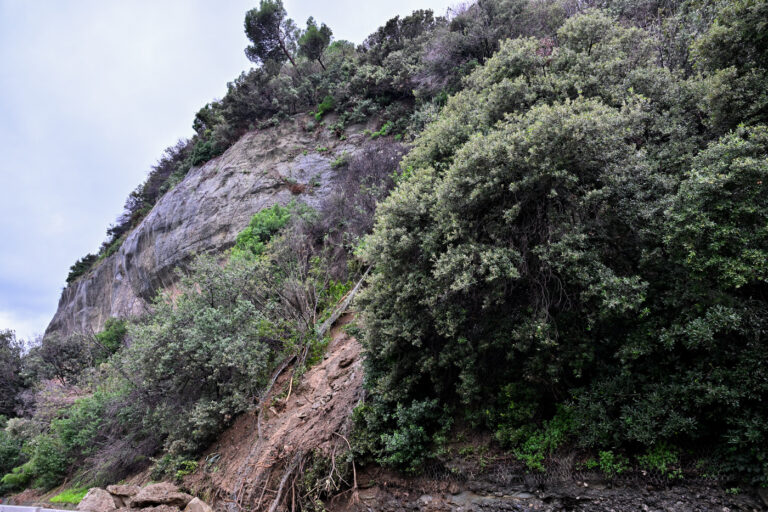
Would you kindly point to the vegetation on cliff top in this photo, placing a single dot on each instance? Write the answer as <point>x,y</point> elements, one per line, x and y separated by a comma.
<point>399,75</point>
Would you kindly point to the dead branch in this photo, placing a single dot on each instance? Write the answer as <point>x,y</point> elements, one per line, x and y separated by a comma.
<point>286,476</point>
<point>355,495</point>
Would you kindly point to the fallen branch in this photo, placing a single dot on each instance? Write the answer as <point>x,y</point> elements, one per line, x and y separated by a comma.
<point>355,494</point>
<point>341,308</point>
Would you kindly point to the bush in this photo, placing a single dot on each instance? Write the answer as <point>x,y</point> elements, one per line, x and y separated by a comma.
<point>560,235</point>
<point>252,241</point>
<point>662,458</point>
<point>45,469</point>
<point>11,382</point>
<point>175,467</point>
<point>19,478</point>
<point>324,107</point>
<point>78,430</point>
<point>81,266</point>
<point>201,356</point>
<point>113,335</point>
<point>10,452</point>
<point>543,442</point>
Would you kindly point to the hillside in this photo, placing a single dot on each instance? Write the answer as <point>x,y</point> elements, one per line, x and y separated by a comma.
<point>546,222</point>
<point>203,214</point>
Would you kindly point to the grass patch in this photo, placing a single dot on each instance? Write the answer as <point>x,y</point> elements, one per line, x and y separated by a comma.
<point>72,496</point>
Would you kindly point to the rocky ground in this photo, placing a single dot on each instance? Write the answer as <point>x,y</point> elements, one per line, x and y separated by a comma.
<point>160,497</point>
<point>397,494</point>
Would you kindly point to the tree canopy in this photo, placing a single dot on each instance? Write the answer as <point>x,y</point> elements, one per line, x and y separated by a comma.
<point>314,41</point>
<point>272,34</point>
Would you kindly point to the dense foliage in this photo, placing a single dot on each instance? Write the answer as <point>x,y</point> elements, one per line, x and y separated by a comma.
<point>398,77</point>
<point>583,226</point>
<point>165,385</point>
<point>575,255</point>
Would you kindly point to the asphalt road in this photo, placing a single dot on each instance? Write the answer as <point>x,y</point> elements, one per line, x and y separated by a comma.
<point>11,508</point>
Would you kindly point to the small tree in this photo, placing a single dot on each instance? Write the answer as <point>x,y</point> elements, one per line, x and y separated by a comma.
<point>314,41</point>
<point>10,379</point>
<point>272,33</point>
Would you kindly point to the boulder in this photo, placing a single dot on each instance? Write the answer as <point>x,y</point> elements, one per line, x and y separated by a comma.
<point>160,508</point>
<point>97,500</point>
<point>197,505</point>
<point>123,491</point>
<point>160,494</point>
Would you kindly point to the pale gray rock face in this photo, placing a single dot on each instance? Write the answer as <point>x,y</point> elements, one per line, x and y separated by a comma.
<point>203,214</point>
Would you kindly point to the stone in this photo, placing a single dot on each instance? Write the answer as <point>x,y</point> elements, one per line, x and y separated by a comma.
<point>160,494</point>
<point>197,505</point>
<point>160,508</point>
<point>97,500</point>
<point>123,491</point>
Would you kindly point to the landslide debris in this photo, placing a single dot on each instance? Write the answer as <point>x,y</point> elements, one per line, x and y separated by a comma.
<point>158,497</point>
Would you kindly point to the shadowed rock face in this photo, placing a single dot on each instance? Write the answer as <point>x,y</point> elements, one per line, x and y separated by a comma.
<point>204,213</point>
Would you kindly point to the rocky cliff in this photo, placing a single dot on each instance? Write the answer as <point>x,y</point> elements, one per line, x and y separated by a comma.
<point>204,213</point>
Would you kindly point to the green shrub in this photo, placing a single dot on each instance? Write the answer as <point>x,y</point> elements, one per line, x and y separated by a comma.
<point>383,131</point>
<point>662,458</point>
<point>78,429</point>
<point>113,334</point>
<point>170,466</point>
<point>564,232</point>
<point>252,241</point>
<point>324,107</point>
<point>81,266</point>
<point>719,218</point>
<point>543,442</point>
<point>213,335</point>
<point>611,464</point>
<point>10,452</point>
<point>49,463</point>
<point>340,161</point>
<point>19,478</point>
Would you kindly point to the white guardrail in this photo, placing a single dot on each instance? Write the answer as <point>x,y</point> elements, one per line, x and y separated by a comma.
<point>14,508</point>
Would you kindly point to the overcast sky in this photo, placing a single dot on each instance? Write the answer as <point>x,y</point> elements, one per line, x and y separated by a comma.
<point>91,92</point>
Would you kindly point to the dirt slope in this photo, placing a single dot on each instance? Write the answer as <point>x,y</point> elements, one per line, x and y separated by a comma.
<point>243,469</point>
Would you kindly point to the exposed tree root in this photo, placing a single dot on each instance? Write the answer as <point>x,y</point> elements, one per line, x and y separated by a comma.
<point>286,475</point>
